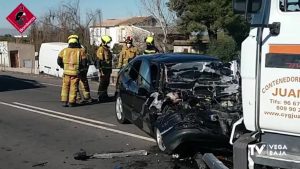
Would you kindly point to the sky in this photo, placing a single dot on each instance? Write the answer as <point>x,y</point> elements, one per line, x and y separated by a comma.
<point>110,8</point>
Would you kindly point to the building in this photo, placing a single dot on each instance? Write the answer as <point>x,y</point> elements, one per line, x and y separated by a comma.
<point>188,46</point>
<point>172,36</point>
<point>17,55</point>
<point>118,29</point>
<point>191,45</point>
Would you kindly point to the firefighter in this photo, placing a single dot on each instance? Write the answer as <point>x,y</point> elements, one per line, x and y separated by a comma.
<point>84,85</point>
<point>83,81</point>
<point>150,47</point>
<point>104,57</point>
<point>71,59</point>
<point>128,53</point>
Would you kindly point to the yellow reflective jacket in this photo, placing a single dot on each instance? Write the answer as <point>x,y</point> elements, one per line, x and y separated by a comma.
<point>105,57</point>
<point>126,55</point>
<point>72,59</point>
<point>151,49</point>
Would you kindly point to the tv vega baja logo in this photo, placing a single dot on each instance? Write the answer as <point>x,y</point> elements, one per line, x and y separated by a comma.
<point>268,149</point>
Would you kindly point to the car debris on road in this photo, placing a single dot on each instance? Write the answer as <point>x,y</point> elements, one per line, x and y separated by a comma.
<point>82,155</point>
<point>42,164</point>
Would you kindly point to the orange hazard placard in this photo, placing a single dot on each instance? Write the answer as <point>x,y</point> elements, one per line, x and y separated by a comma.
<point>21,18</point>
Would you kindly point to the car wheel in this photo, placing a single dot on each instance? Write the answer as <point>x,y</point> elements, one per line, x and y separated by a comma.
<point>159,140</point>
<point>119,111</point>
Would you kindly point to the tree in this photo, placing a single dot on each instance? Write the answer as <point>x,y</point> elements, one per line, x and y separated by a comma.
<point>8,35</point>
<point>160,11</point>
<point>59,23</point>
<point>224,48</point>
<point>212,16</point>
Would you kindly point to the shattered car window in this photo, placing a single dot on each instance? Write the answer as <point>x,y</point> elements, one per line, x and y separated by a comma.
<point>191,71</point>
<point>194,75</point>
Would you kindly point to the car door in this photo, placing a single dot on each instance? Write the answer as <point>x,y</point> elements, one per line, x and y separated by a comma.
<point>129,87</point>
<point>123,89</point>
<point>140,107</point>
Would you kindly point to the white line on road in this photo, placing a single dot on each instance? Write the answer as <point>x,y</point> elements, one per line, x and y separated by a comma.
<point>63,114</point>
<point>80,122</point>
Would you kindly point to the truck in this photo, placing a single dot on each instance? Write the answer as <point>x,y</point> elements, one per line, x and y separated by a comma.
<point>48,60</point>
<point>270,63</point>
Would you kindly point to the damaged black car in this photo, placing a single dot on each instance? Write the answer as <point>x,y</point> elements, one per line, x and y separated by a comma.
<point>180,99</point>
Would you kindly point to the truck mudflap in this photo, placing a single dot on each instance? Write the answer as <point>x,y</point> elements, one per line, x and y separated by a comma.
<point>276,150</point>
<point>240,151</point>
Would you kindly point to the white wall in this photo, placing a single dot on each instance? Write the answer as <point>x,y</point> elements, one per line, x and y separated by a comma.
<point>117,33</point>
<point>137,33</point>
<point>113,32</point>
<point>26,53</point>
<point>4,57</point>
<point>97,32</point>
<point>94,35</point>
<point>180,49</point>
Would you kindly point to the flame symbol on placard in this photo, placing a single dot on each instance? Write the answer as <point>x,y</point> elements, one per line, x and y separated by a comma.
<point>21,16</point>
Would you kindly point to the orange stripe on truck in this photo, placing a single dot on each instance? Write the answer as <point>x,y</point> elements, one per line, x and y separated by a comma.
<point>285,49</point>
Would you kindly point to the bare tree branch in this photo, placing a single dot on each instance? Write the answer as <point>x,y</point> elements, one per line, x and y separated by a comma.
<point>59,23</point>
<point>159,10</point>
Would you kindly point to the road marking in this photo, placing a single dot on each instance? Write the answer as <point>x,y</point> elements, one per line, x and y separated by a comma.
<point>80,122</point>
<point>63,114</point>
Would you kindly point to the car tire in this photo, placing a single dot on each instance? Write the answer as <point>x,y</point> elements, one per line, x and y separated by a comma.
<point>119,110</point>
<point>159,141</point>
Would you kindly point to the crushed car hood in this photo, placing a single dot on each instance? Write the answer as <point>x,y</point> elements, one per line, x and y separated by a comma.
<point>198,95</point>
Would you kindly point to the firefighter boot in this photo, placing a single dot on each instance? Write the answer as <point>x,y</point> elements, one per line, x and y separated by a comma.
<point>65,104</point>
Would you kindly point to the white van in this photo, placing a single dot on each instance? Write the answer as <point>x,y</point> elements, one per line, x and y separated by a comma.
<point>48,60</point>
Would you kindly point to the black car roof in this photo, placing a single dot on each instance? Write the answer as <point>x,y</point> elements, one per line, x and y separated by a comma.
<point>176,58</point>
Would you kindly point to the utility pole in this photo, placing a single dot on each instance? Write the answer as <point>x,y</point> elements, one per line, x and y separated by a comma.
<point>4,62</point>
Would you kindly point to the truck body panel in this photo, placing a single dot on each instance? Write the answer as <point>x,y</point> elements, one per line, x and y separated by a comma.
<point>279,107</point>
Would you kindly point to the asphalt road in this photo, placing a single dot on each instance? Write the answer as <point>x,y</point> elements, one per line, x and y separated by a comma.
<point>37,132</point>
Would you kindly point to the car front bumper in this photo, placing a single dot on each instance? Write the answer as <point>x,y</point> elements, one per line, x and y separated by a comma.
<point>204,139</point>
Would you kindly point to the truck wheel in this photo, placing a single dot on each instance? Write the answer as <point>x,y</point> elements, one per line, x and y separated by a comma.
<point>119,111</point>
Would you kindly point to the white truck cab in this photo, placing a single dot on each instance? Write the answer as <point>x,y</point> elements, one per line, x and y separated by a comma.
<point>270,71</point>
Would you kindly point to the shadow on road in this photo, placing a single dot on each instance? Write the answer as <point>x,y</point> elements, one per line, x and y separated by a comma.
<point>108,100</point>
<point>10,83</point>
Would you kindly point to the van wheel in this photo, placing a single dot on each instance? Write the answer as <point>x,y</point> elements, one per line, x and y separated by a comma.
<point>119,111</point>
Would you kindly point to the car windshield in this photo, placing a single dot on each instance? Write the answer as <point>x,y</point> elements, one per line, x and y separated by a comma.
<point>191,71</point>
